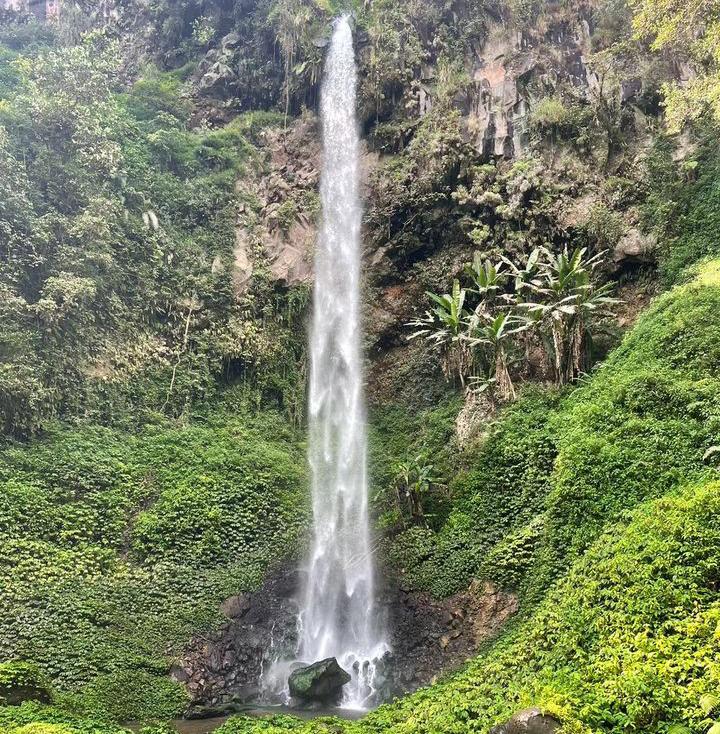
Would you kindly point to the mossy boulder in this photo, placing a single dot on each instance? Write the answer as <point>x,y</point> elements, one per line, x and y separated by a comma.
<point>20,682</point>
<point>321,681</point>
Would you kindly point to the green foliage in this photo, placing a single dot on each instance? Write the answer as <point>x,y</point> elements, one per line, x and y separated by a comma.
<point>117,245</point>
<point>555,469</point>
<point>130,695</point>
<point>565,300</point>
<point>627,641</point>
<point>551,113</point>
<point>21,681</point>
<point>694,29</point>
<point>504,487</point>
<point>111,561</point>
<point>32,718</point>
<point>683,206</point>
<point>395,435</point>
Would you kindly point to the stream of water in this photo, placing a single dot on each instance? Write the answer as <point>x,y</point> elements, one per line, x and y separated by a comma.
<point>338,616</point>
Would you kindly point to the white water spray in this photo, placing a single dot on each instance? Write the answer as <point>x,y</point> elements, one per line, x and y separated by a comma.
<point>338,617</point>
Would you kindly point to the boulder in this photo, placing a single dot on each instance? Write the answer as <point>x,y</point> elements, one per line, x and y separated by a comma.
<point>235,606</point>
<point>321,681</point>
<point>635,247</point>
<point>528,721</point>
<point>217,79</point>
<point>231,42</point>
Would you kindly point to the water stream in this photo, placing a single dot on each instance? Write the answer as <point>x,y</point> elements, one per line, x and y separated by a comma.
<point>338,616</point>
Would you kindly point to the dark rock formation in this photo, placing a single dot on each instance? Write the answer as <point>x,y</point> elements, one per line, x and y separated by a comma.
<point>226,665</point>
<point>321,681</point>
<point>528,721</point>
<point>428,637</point>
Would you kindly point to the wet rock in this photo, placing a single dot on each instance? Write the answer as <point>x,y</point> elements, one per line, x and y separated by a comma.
<point>198,713</point>
<point>247,694</point>
<point>427,637</point>
<point>528,721</point>
<point>321,681</point>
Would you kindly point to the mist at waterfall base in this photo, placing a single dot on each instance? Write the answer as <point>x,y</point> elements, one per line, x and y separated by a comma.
<point>338,616</point>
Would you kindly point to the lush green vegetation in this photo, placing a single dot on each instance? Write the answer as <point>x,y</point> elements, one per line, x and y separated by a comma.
<point>683,205</point>
<point>117,252</point>
<point>118,547</point>
<point>598,505</point>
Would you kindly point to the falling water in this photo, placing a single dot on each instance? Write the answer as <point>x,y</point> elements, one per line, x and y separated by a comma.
<point>338,617</point>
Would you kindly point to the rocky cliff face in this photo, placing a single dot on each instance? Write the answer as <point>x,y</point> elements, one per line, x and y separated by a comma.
<point>277,225</point>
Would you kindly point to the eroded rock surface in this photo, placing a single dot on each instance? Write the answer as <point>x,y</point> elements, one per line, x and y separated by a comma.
<point>276,225</point>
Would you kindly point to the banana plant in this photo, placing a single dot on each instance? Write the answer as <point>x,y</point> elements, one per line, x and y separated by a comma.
<point>566,298</point>
<point>527,276</point>
<point>710,707</point>
<point>443,325</point>
<point>496,333</point>
<point>414,479</point>
<point>487,278</point>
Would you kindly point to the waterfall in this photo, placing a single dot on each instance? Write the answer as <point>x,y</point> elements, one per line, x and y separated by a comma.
<point>338,617</point>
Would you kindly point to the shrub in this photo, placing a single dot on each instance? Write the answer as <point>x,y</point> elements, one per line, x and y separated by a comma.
<point>132,695</point>
<point>20,681</point>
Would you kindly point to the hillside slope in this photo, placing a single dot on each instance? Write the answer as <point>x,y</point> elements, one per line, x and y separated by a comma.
<point>628,638</point>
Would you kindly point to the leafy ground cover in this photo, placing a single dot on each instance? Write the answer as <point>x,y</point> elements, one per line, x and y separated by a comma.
<point>598,505</point>
<point>118,547</point>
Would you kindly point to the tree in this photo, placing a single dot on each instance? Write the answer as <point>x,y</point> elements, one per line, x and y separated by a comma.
<point>692,28</point>
<point>550,297</point>
<point>567,296</point>
<point>497,333</point>
<point>414,479</point>
<point>443,326</point>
